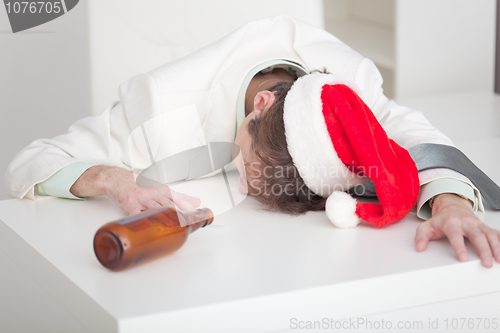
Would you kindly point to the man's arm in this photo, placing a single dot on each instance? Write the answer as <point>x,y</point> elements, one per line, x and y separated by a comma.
<point>453,217</point>
<point>58,184</point>
<point>118,137</point>
<point>446,181</point>
<point>120,185</point>
<point>87,140</point>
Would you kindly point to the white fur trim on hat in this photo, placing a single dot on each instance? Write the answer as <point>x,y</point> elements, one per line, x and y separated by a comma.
<point>308,141</point>
<point>341,210</point>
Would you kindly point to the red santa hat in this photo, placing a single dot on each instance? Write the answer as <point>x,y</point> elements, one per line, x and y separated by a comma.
<point>336,143</point>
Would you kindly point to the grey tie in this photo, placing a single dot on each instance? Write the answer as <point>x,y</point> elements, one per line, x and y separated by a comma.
<point>432,156</point>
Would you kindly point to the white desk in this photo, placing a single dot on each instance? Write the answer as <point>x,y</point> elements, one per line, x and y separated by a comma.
<point>250,271</point>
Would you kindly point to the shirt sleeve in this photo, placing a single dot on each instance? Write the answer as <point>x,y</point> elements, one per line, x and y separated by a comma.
<point>453,182</point>
<point>59,184</point>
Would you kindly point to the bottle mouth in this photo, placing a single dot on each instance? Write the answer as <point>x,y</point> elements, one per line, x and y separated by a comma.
<point>108,249</point>
<point>210,216</point>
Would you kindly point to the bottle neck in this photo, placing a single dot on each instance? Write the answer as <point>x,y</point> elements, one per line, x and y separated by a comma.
<point>197,219</point>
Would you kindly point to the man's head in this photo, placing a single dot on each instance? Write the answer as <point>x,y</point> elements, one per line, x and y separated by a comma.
<point>319,131</point>
<point>271,176</point>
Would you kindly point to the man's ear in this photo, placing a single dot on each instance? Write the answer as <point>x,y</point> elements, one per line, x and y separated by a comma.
<point>263,101</point>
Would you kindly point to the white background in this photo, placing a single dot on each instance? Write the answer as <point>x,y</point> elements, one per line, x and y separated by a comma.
<point>71,67</point>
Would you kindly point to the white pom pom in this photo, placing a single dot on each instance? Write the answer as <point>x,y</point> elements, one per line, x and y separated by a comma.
<point>341,210</point>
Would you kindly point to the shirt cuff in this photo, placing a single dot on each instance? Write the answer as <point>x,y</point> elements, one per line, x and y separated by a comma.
<point>59,184</point>
<point>439,186</point>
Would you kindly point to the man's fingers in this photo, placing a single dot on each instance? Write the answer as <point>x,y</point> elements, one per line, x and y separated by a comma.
<point>151,204</point>
<point>144,182</point>
<point>478,239</point>
<point>184,204</point>
<point>184,201</point>
<point>457,242</point>
<point>494,244</point>
<point>496,254</point>
<point>168,192</point>
<point>162,200</point>
<point>421,244</point>
<point>493,237</point>
<point>146,203</point>
<point>153,195</point>
<point>422,236</point>
<point>195,201</point>
<point>133,209</point>
<point>168,197</point>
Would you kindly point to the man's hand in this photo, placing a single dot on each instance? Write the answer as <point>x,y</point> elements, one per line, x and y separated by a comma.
<point>453,217</point>
<point>119,185</point>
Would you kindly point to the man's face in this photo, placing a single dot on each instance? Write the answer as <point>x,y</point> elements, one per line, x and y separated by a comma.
<point>244,141</point>
<point>263,101</point>
<point>258,100</point>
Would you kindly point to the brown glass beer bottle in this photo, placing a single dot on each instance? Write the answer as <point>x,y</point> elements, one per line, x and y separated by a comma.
<point>146,236</point>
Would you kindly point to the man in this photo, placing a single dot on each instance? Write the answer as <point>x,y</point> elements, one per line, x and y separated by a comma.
<point>203,97</point>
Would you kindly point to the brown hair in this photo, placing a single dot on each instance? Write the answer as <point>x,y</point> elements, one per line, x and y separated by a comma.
<point>276,182</point>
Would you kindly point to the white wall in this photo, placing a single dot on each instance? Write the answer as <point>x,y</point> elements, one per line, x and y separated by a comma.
<point>52,75</point>
<point>44,81</point>
<point>421,47</point>
<point>445,46</point>
<point>49,73</point>
<point>129,37</point>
